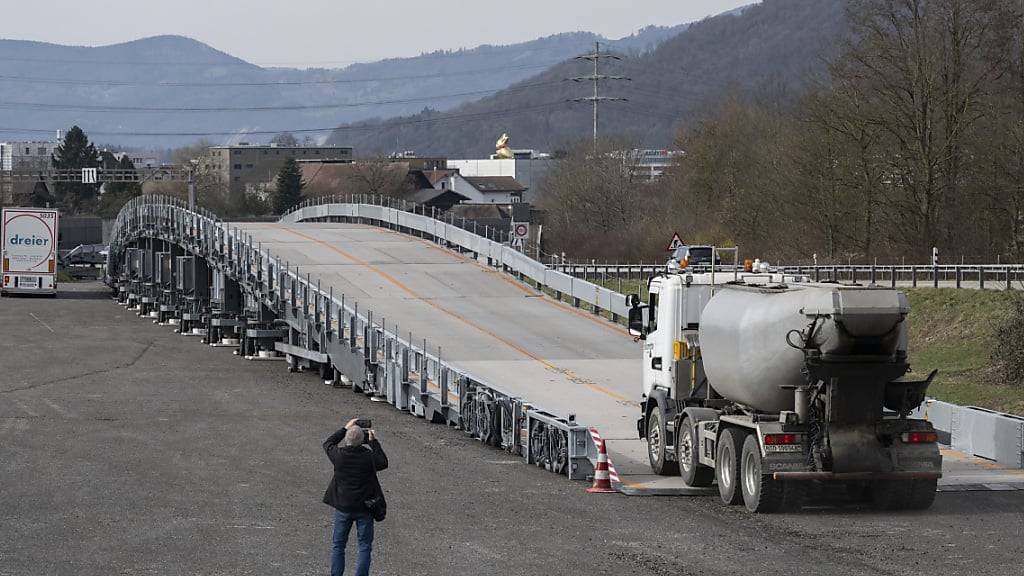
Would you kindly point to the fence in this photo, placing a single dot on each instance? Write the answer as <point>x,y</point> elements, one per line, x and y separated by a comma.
<point>978,276</point>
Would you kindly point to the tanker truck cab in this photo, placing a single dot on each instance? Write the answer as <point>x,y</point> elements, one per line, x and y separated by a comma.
<point>764,383</point>
<point>667,327</point>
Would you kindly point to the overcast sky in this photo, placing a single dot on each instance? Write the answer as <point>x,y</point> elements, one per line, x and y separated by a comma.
<point>333,33</point>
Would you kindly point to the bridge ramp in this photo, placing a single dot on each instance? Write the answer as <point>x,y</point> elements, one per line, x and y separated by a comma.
<point>559,358</point>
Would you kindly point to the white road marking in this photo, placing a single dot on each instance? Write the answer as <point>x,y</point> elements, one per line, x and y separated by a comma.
<point>55,407</point>
<point>45,325</point>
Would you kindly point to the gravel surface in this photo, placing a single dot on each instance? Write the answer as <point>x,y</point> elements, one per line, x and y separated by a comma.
<point>128,449</point>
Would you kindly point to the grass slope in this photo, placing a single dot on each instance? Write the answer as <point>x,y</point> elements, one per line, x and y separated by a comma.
<point>954,331</point>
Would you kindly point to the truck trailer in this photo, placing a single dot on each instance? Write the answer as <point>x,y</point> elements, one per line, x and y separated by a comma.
<point>29,251</point>
<point>770,385</point>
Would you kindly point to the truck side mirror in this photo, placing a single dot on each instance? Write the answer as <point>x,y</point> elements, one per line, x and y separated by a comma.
<point>636,322</point>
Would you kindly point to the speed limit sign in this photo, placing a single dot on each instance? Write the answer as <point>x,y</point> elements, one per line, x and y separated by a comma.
<point>520,230</point>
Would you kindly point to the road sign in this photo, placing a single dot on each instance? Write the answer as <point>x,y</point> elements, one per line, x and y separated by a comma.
<point>520,231</point>
<point>89,175</point>
<point>676,242</point>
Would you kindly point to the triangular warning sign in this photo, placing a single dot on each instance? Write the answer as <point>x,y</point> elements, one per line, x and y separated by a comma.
<point>676,242</point>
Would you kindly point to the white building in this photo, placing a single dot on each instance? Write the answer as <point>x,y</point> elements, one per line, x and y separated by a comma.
<point>26,155</point>
<point>650,164</point>
<point>529,172</point>
<point>139,160</point>
<point>477,189</point>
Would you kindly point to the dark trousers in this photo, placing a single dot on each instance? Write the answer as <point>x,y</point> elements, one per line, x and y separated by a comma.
<point>364,529</point>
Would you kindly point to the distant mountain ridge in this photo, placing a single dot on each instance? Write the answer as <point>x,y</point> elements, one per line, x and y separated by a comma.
<point>177,72</point>
<point>769,49</point>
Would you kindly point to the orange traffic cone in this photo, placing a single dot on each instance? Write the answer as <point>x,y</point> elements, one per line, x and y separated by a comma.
<point>602,481</point>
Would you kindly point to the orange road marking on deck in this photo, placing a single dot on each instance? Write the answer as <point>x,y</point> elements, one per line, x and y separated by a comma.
<point>565,372</point>
<point>516,284</point>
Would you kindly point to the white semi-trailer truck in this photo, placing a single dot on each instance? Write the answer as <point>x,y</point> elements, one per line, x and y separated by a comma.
<point>769,384</point>
<point>29,251</point>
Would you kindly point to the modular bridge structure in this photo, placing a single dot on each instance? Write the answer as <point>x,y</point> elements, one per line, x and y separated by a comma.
<point>443,321</point>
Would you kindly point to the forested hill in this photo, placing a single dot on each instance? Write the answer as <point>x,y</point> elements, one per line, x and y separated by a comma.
<point>48,86</point>
<point>769,48</point>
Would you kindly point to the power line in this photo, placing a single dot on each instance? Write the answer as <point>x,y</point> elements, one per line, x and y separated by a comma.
<point>596,78</point>
<point>349,128</point>
<point>96,82</point>
<point>159,109</point>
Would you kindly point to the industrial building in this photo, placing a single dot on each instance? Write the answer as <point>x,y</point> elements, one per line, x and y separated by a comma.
<point>34,155</point>
<point>253,167</point>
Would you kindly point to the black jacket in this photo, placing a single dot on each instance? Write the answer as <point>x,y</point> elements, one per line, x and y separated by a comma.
<point>355,472</point>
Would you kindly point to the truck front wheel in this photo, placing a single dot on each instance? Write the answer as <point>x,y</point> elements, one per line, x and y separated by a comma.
<point>657,450</point>
<point>693,472</point>
<point>761,492</point>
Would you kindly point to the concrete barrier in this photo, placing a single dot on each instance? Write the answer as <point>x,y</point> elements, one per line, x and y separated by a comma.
<point>977,431</point>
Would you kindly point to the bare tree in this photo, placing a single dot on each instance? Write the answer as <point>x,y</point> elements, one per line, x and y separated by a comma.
<point>379,177</point>
<point>923,68</point>
<point>595,205</point>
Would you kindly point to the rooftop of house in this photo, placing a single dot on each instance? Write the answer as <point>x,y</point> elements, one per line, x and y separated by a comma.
<point>495,183</point>
<point>481,211</point>
<point>429,195</point>
<point>435,176</point>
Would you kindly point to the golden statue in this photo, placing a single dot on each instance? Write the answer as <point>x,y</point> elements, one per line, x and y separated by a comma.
<point>501,149</point>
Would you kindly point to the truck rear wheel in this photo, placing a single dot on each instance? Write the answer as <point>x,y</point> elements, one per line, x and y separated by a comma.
<point>761,492</point>
<point>889,494</point>
<point>727,465</point>
<point>903,494</point>
<point>922,494</point>
<point>657,449</point>
<point>693,472</point>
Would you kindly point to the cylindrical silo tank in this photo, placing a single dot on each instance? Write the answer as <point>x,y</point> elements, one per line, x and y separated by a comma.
<point>743,335</point>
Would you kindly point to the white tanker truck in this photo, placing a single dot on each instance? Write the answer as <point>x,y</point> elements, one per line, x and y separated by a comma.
<point>767,383</point>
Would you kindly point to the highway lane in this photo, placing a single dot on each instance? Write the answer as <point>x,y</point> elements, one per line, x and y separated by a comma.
<point>128,449</point>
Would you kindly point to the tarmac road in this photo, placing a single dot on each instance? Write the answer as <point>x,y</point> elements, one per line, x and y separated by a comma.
<point>128,449</point>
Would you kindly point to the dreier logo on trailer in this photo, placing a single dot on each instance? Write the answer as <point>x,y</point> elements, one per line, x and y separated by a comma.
<point>29,241</point>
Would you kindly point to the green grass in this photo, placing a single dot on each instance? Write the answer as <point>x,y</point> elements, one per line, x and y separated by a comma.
<point>954,331</point>
<point>63,276</point>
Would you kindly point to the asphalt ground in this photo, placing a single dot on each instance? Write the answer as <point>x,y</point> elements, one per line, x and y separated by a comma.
<point>128,449</point>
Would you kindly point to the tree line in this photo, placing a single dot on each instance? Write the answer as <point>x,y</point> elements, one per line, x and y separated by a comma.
<point>912,139</point>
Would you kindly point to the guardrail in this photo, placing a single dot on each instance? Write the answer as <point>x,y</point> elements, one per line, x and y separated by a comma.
<point>482,242</point>
<point>333,330</point>
<point>980,276</point>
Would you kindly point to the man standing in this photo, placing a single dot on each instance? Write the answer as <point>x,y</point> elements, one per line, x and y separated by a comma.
<point>355,481</point>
